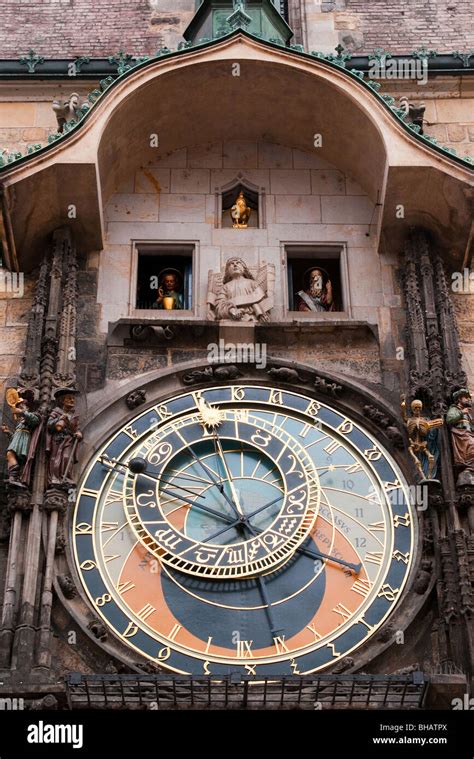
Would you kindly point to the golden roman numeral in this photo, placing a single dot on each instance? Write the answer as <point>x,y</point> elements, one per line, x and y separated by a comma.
<point>377,527</point>
<point>244,649</point>
<point>122,587</point>
<point>353,468</point>
<point>332,447</point>
<point>374,557</point>
<point>241,415</point>
<point>362,587</point>
<point>343,611</point>
<point>108,526</point>
<point>304,432</point>
<point>174,632</point>
<point>112,497</point>
<point>144,613</point>
<point>280,645</point>
<point>251,669</point>
<point>111,558</point>
<point>317,636</point>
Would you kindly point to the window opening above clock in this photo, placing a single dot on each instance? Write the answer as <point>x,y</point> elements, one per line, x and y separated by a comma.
<point>314,280</point>
<point>165,277</point>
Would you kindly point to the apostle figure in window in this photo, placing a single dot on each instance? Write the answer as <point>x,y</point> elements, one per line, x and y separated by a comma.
<point>170,297</point>
<point>318,295</point>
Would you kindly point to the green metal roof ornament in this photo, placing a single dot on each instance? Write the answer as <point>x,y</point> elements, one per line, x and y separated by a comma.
<point>239,19</point>
<point>31,61</point>
<point>215,18</point>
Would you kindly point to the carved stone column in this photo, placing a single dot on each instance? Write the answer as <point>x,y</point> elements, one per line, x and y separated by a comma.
<point>417,349</point>
<point>55,504</point>
<point>56,498</point>
<point>24,647</point>
<point>19,503</point>
<point>434,366</point>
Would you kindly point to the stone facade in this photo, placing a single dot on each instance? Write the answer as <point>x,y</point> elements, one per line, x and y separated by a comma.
<point>102,28</point>
<point>394,328</point>
<point>391,24</point>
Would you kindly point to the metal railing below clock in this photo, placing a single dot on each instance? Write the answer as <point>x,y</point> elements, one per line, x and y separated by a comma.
<point>242,692</point>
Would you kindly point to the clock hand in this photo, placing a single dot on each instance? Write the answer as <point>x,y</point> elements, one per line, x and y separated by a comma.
<point>262,585</point>
<point>215,482</point>
<point>318,555</point>
<point>214,535</point>
<point>200,506</point>
<point>237,507</point>
<point>262,508</point>
<point>112,464</point>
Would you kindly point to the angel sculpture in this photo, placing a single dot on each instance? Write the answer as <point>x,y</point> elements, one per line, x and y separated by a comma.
<point>240,212</point>
<point>240,294</point>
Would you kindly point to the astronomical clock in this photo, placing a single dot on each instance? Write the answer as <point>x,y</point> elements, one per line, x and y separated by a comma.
<point>243,528</point>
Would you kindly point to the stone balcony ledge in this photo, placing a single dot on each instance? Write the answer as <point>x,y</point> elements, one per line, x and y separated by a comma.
<point>152,331</point>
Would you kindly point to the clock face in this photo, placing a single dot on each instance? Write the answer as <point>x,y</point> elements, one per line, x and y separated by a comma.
<point>243,528</point>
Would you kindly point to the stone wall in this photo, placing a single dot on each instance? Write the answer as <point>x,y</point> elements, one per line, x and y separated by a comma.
<point>27,117</point>
<point>307,201</point>
<point>464,310</point>
<point>26,112</point>
<point>73,28</point>
<point>396,25</point>
<point>449,114</point>
<point>16,298</point>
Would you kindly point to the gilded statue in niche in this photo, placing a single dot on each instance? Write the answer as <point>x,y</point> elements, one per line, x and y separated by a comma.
<point>240,212</point>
